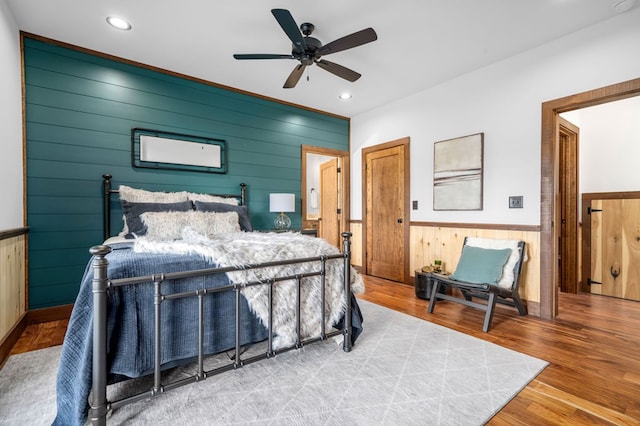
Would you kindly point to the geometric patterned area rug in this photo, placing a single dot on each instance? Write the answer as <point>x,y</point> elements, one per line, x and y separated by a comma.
<point>401,371</point>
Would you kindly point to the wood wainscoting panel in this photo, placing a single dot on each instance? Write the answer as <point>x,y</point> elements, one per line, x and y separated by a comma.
<point>356,243</point>
<point>12,282</point>
<point>429,243</point>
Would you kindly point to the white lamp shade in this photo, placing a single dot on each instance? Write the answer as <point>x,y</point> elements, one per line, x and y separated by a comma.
<point>282,203</point>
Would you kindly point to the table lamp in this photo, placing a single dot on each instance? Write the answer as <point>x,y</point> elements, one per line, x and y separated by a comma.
<point>283,203</point>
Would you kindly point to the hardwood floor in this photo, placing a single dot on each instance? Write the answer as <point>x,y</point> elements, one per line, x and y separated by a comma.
<point>592,347</point>
<point>40,336</point>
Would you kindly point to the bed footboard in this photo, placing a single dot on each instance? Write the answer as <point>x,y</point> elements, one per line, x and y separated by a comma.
<point>100,406</point>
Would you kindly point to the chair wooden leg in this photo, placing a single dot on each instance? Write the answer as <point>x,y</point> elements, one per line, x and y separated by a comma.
<point>491,304</point>
<point>434,297</point>
<point>522,310</point>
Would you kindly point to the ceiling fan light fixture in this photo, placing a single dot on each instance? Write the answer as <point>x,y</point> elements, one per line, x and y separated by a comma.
<point>118,23</point>
<point>345,96</point>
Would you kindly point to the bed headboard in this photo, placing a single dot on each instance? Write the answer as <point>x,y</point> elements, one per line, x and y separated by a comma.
<point>108,192</point>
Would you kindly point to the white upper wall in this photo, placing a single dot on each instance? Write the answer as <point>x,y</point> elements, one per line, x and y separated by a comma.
<point>11,186</point>
<point>609,147</point>
<point>504,102</point>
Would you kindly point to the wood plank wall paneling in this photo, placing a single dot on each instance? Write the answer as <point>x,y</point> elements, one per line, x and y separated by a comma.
<point>356,243</point>
<point>428,243</point>
<point>12,282</point>
<point>80,109</point>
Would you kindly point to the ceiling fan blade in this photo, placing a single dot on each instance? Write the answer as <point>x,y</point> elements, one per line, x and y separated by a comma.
<point>347,42</point>
<point>293,78</point>
<point>288,24</point>
<point>261,56</point>
<point>339,70</point>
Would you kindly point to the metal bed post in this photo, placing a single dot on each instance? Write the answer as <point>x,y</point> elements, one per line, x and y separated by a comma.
<point>270,351</point>
<point>243,194</point>
<point>157,304</point>
<point>237,363</point>
<point>98,400</point>
<point>323,297</point>
<point>106,217</point>
<point>201,375</point>
<point>346,244</point>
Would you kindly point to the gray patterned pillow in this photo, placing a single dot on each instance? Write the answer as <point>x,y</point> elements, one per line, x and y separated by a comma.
<point>207,198</point>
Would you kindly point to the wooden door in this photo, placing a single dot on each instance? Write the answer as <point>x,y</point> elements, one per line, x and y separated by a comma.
<point>386,182</point>
<point>568,139</point>
<point>615,248</point>
<point>329,220</point>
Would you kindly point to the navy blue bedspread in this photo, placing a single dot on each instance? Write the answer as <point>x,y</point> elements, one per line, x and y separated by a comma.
<point>130,322</point>
<point>130,350</point>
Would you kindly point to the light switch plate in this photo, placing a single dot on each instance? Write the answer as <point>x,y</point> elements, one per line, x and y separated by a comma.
<point>515,202</point>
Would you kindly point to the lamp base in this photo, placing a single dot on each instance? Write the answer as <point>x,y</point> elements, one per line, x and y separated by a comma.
<point>282,221</point>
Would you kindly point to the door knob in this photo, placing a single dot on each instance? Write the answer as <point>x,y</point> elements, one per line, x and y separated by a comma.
<point>400,220</point>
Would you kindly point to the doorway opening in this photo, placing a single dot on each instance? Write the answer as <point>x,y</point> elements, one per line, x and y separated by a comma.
<point>325,189</point>
<point>550,205</point>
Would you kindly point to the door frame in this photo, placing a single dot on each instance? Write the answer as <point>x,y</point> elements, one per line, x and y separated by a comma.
<point>407,194</point>
<point>549,180</point>
<point>345,173</point>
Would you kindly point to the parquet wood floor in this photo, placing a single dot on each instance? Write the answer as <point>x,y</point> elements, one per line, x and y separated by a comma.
<point>593,350</point>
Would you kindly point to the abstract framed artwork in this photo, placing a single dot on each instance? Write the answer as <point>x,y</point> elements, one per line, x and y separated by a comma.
<point>458,173</point>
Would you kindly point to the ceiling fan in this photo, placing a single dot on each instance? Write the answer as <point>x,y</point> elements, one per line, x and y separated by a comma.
<point>309,50</point>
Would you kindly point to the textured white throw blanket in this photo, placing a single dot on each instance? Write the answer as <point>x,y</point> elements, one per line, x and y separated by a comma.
<point>243,248</point>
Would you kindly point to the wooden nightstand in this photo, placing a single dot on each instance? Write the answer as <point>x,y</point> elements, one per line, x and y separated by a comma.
<point>311,232</point>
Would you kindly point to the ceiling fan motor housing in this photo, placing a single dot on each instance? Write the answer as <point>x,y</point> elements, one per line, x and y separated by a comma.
<point>313,44</point>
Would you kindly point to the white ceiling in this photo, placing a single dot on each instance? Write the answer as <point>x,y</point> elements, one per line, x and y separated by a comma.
<point>421,43</point>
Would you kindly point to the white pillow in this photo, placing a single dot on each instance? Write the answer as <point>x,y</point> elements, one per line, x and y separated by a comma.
<point>207,198</point>
<point>506,281</point>
<point>169,225</point>
<point>135,195</point>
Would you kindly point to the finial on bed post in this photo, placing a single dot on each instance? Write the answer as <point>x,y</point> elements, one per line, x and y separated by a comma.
<point>98,400</point>
<point>106,225</point>
<point>346,244</point>
<point>243,193</point>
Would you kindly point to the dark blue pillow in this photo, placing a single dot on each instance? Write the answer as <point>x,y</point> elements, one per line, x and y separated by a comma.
<point>480,266</point>
<point>132,212</point>
<point>243,213</point>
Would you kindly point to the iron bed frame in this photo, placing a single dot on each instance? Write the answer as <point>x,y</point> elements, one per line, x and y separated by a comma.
<point>108,192</point>
<point>99,406</point>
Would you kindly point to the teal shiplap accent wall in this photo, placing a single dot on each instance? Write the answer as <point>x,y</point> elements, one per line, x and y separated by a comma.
<point>80,109</point>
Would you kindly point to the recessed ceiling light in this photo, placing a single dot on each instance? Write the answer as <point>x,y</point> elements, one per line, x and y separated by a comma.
<point>345,96</point>
<point>621,6</point>
<point>118,23</point>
